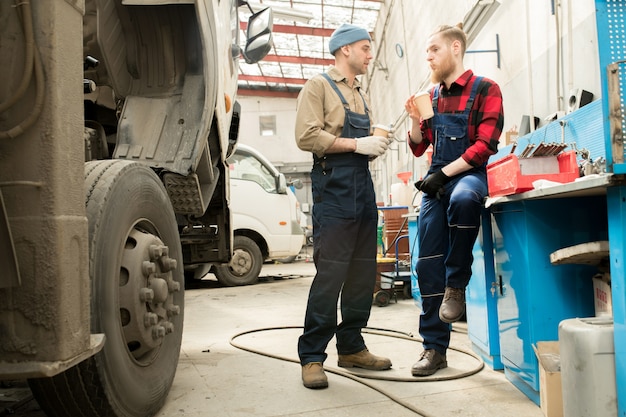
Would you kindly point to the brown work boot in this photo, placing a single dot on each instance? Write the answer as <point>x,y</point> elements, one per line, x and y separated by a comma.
<point>453,306</point>
<point>313,375</point>
<point>430,362</point>
<point>364,359</point>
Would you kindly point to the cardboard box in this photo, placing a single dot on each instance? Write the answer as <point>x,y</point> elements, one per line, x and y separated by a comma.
<point>603,301</point>
<point>510,137</point>
<point>550,395</point>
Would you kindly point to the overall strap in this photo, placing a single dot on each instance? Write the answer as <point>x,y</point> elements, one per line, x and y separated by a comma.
<point>435,97</point>
<point>472,97</point>
<point>341,97</point>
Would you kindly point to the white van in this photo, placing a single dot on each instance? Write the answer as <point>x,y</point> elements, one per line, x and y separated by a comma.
<point>265,216</point>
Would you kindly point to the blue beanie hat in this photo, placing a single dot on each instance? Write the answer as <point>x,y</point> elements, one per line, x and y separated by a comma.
<point>345,35</point>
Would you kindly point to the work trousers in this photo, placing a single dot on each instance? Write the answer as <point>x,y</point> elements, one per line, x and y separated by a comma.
<point>448,228</point>
<point>344,252</point>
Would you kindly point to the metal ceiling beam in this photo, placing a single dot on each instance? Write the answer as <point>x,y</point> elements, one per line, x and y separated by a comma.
<point>298,60</point>
<point>296,30</point>
<point>266,93</point>
<point>266,79</point>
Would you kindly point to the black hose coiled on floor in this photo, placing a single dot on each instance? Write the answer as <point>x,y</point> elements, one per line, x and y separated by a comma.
<point>361,378</point>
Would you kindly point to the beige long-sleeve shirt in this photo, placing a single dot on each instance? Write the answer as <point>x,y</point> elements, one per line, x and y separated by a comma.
<point>320,114</point>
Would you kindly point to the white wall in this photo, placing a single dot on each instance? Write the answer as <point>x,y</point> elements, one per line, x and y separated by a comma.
<point>280,148</point>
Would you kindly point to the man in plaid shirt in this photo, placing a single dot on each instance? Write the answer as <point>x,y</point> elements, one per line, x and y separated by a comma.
<point>464,132</point>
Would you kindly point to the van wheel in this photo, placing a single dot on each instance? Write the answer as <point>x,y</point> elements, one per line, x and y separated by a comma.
<point>245,266</point>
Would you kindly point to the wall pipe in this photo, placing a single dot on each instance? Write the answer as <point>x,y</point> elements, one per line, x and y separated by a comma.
<point>570,47</point>
<point>556,7</point>
<point>530,67</point>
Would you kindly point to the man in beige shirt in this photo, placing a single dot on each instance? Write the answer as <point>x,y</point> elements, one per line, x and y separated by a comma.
<point>333,122</point>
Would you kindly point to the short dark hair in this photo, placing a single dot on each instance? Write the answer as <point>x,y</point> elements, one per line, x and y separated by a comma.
<point>453,33</point>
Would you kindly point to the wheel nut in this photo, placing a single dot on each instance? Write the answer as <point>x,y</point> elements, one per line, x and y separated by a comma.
<point>146,295</point>
<point>169,327</point>
<point>168,264</point>
<point>158,332</point>
<point>173,286</point>
<point>155,251</point>
<point>148,268</point>
<point>173,310</point>
<point>150,319</point>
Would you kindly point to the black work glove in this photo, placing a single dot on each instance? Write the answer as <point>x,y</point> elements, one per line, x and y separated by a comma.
<point>433,184</point>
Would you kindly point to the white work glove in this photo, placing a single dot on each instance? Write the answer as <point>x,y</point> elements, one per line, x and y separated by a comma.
<point>371,145</point>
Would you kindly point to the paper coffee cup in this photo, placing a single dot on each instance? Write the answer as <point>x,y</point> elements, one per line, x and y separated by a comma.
<point>423,104</point>
<point>381,130</point>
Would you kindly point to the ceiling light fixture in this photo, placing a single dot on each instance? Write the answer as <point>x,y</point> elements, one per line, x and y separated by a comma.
<point>477,17</point>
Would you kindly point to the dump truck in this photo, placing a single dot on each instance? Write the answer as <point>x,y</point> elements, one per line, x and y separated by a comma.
<point>116,120</point>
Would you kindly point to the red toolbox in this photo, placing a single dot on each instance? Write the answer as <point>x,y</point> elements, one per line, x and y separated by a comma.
<point>512,175</point>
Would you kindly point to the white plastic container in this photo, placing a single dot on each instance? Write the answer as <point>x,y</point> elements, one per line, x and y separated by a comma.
<point>402,194</point>
<point>588,367</point>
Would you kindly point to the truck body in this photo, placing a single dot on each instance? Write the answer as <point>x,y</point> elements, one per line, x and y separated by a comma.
<point>108,190</point>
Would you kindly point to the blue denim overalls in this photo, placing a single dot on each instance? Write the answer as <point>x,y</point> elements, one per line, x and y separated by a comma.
<point>448,226</point>
<point>344,246</point>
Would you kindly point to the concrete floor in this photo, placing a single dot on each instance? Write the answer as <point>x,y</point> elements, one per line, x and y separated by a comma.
<point>215,378</point>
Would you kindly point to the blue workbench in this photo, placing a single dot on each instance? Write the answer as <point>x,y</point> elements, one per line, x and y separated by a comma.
<point>533,295</point>
<point>481,297</point>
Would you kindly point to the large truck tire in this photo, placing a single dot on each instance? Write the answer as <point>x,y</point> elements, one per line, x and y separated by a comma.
<point>245,265</point>
<point>137,299</point>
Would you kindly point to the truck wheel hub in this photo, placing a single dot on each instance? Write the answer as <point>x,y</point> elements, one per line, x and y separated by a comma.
<point>146,289</point>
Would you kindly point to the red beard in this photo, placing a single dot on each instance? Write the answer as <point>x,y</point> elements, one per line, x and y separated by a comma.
<point>443,71</point>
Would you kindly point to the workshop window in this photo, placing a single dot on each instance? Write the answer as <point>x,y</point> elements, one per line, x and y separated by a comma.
<point>267,125</point>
